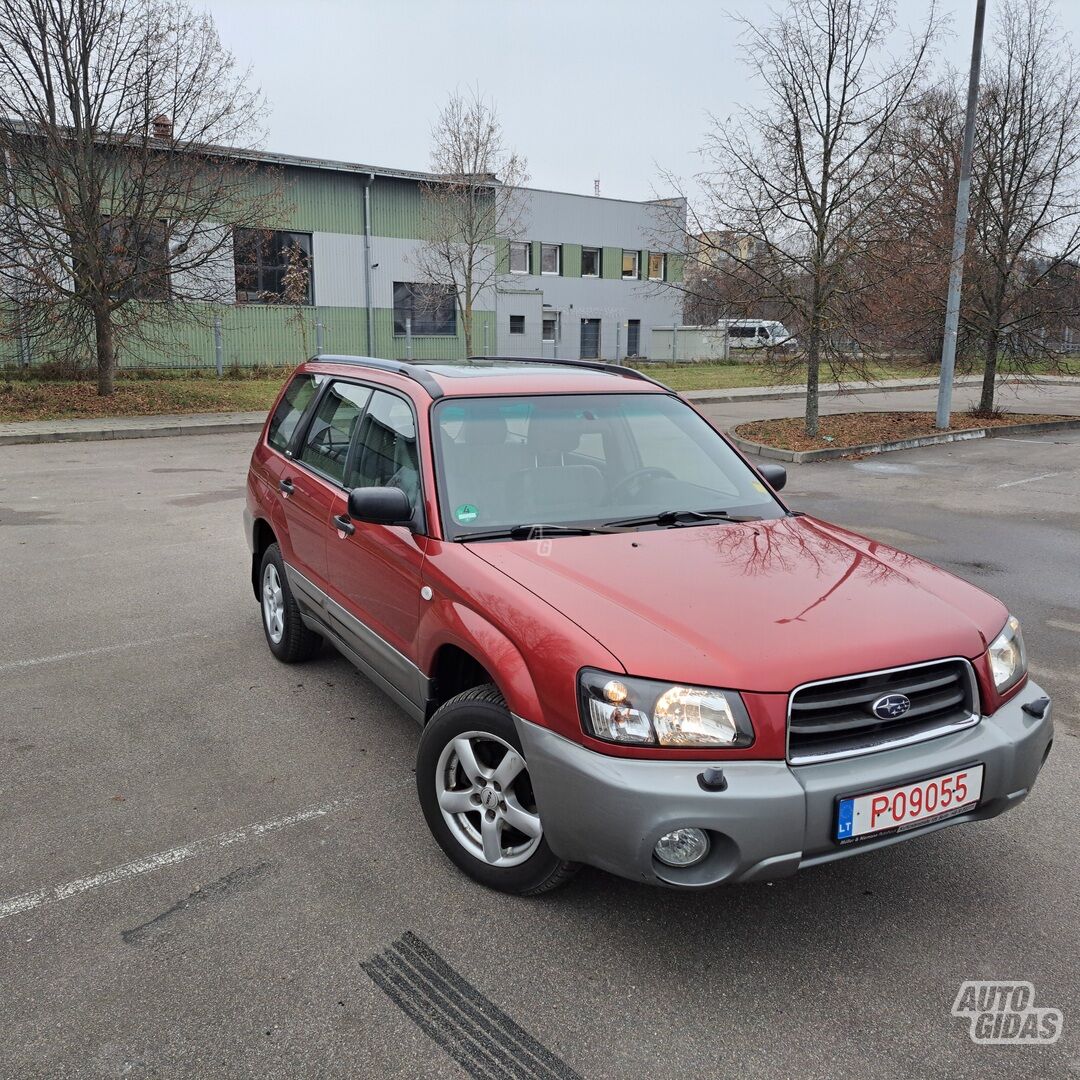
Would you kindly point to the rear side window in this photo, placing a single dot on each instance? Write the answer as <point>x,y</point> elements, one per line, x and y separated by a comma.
<point>327,445</point>
<point>290,409</point>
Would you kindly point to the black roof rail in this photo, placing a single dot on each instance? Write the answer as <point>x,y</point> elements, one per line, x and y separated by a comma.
<point>398,367</point>
<point>589,365</point>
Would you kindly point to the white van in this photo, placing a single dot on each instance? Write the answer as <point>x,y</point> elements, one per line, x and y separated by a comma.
<point>757,334</point>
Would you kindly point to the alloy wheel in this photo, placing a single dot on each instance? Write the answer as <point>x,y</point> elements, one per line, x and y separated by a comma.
<point>486,799</point>
<point>273,603</point>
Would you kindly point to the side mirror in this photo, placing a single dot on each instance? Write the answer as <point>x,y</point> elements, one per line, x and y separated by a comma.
<point>776,475</point>
<point>380,506</point>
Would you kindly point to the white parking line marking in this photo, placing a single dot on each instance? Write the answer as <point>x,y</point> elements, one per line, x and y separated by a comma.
<point>1031,442</point>
<point>1030,479</point>
<point>11,665</point>
<point>16,904</point>
<point>1074,627</point>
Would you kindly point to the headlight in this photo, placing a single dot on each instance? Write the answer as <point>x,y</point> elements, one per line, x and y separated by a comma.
<point>1008,660</point>
<point>620,709</point>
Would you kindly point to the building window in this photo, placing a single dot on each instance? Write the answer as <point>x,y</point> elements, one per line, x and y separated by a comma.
<point>549,329</point>
<point>272,267</point>
<point>517,324</point>
<point>138,259</point>
<point>520,257</point>
<point>633,337</point>
<point>591,262</point>
<point>432,308</point>
<point>630,265</point>
<point>550,259</point>
<point>656,265</point>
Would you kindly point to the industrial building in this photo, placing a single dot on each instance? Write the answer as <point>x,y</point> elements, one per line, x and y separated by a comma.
<point>583,276</point>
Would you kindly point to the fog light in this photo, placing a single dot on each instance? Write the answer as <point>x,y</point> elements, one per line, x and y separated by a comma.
<point>682,847</point>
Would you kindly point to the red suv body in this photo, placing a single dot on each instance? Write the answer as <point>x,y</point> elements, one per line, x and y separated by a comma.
<point>624,649</point>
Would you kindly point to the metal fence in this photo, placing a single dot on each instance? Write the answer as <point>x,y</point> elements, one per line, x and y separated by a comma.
<point>251,336</point>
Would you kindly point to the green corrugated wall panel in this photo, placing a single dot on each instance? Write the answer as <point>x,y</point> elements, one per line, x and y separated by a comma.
<point>434,347</point>
<point>256,334</point>
<point>397,208</point>
<point>535,267</point>
<point>612,263</point>
<point>571,260</point>
<point>502,255</point>
<point>675,265</point>
<point>318,200</point>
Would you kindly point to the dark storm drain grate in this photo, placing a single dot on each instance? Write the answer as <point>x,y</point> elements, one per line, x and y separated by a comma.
<point>474,1031</point>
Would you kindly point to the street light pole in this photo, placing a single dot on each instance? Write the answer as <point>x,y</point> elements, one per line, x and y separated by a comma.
<point>956,267</point>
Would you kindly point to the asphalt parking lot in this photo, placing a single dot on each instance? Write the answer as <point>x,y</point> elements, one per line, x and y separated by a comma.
<point>215,866</point>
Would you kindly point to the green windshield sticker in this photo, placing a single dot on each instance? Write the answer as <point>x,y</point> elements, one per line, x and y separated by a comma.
<point>466,514</point>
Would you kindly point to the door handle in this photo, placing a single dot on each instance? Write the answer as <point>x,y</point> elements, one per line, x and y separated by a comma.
<point>286,486</point>
<point>344,524</point>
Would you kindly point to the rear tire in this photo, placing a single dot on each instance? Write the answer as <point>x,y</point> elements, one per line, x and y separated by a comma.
<point>474,788</point>
<point>286,635</point>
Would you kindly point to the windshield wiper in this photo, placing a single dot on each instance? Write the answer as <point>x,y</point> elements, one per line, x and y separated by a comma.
<point>680,517</point>
<point>532,532</point>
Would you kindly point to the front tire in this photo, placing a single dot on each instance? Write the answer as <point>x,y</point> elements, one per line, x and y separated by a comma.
<point>477,797</point>
<point>286,635</point>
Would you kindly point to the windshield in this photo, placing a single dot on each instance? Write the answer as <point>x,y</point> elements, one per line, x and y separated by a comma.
<point>583,459</point>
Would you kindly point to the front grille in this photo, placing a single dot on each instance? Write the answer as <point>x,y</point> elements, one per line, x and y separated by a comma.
<point>836,718</point>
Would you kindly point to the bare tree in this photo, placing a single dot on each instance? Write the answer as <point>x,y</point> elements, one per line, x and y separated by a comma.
<point>794,188</point>
<point>119,201</point>
<point>907,311</point>
<point>476,195</point>
<point>1026,189</point>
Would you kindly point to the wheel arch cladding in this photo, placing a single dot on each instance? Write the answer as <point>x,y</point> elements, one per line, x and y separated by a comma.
<point>263,536</point>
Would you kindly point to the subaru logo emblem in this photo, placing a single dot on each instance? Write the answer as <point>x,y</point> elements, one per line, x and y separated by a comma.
<point>891,706</point>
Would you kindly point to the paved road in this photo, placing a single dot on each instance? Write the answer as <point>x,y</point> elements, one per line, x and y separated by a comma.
<point>215,852</point>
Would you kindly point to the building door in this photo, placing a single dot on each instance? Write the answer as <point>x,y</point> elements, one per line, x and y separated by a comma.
<point>633,337</point>
<point>550,335</point>
<point>590,339</point>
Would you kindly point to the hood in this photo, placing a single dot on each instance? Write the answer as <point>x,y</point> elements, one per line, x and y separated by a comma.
<point>761,606</point>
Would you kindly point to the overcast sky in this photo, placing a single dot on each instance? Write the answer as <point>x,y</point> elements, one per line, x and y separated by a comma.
<point>615,89</point>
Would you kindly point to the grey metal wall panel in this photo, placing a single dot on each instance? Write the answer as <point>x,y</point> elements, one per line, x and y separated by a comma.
<point>528,304</point>
<point>611,301</point>
<point>338,269</point>
<point>559,217</point>
<point>398,260</point>
<point>214,279</point>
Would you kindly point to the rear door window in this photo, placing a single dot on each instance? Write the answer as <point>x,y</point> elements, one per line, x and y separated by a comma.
<point>291,409</point>
<point>326,447</point>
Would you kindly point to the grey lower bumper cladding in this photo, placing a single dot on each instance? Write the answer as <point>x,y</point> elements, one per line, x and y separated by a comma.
<point>772,818</point>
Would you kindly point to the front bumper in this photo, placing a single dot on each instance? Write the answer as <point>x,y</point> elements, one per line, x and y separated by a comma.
<point>773,818</point>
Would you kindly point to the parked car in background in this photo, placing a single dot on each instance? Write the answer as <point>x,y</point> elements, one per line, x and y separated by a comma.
<point>622,647</point>
<point>757,334</point>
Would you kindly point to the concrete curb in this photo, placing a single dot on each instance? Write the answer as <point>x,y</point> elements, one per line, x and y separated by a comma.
<point>888,386</point>
<point>169,427</point>
<point>801,457</point>
<point>789,393</point>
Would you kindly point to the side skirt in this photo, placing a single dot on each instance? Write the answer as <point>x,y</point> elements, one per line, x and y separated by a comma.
<point>317,610</point>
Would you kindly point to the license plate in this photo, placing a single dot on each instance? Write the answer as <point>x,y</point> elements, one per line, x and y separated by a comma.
<point>901,808</point>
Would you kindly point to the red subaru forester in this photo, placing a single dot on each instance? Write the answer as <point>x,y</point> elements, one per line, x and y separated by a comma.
<point>623,648</point>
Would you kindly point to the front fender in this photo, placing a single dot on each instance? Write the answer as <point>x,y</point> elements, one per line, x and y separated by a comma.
<point>458,625</point>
